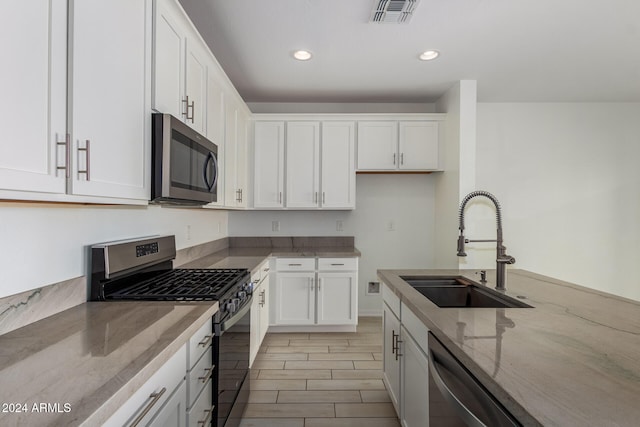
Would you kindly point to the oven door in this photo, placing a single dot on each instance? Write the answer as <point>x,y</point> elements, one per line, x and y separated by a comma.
<point>233,365</point>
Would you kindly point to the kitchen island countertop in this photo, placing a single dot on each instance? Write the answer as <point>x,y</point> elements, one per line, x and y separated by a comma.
<point>571,360</point>
<point>85,362</point>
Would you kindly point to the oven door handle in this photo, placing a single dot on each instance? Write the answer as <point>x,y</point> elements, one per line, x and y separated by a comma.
<point>227,324</point>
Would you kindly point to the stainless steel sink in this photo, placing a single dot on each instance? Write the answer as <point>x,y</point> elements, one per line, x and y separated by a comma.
<point>458,292</point>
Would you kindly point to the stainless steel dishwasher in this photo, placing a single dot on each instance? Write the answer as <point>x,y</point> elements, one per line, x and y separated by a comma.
<point>456,398</point>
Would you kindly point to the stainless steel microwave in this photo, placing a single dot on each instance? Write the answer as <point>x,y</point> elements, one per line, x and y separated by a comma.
<point>184,166</point>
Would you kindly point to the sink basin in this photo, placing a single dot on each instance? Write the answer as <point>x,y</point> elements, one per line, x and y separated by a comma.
<point>457,292</point>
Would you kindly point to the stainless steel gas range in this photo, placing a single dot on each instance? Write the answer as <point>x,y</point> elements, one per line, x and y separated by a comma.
<point>142,269</point>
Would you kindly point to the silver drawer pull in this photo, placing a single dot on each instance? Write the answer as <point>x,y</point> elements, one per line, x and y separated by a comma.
<point>206,341</point>
<point>295,265</point>
<point>87,152</point>
<point>266,269</point>
<point>208,417</point>
<point>67,155</point>
<point>206,378</point>
<point>155,397</point>
<point>337,263</point>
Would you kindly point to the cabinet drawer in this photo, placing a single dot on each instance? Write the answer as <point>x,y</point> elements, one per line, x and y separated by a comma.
<point>416,328</point>
<point>199,376</point>
<point>338,264</point>
<point>199,343</point>
<point>202,410</point>
<point>295,264</point>
<point>391,299</point>
<point>153,394</point>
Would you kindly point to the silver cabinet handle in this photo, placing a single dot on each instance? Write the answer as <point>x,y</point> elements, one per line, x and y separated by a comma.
<point>262,298</point>
<point>67,154</point>
<point>187,106</point>
<point>87,150</point>
<point>239,195</point>
<point>209,372</point>
<point>207,339</point>
<point>295,265</point>
<point>154,399</point>
<point>319,283</point>
<point>323,198</point>
<point>337,263</point>
<point>266,269</point>
<point>280,197</point>
<point>402,158</point>
<point>395,343</point>
<point>208,417</point>
<point>315,197</point>
<point>394,158</point>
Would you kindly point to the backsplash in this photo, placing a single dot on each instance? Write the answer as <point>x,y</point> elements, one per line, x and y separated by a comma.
<point>30,306</point>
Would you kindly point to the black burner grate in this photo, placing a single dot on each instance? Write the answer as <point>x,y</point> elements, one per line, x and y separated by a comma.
<point>183,285</point>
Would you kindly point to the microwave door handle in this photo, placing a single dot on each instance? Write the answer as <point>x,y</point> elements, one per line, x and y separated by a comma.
<point>205,168</point>
<point>215,171</point>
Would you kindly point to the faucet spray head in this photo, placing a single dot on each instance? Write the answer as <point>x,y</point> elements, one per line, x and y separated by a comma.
<point>461,251</point>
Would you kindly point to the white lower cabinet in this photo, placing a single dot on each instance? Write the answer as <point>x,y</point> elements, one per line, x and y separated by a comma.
<point>405,364</point>
<point>147,403</point>
<point>314,292</point>
<point>172,412</point>
<point>259,309</point>
<point>391,362</point>
<point>173,397</point>
<point>414,405</point>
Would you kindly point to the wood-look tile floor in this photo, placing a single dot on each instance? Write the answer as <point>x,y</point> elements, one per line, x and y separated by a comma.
<point>321,379</point>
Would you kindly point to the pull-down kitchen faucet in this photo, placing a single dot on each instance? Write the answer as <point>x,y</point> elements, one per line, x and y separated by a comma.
<point>502,259</point>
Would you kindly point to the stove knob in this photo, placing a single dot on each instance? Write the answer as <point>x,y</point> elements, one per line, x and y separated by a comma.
<point>242,295</point>
<point>230,307</point>
<point>236,302</point>
<point>249,287</point>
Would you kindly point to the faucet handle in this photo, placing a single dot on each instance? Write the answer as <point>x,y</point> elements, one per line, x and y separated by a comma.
<point>506,259</point>
<point>483,276</point>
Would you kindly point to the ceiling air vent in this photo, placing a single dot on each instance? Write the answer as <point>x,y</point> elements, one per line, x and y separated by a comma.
<point>393,11</point>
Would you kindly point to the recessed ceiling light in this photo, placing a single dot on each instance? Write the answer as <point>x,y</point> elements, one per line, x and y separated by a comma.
<point>302,55</point>
<point>429,55</point>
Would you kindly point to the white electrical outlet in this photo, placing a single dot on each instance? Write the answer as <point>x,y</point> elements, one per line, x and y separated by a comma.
<point>275,225</point>
<point>339,225</point>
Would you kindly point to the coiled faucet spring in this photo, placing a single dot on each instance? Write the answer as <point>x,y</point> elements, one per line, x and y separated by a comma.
<point>501,256</point>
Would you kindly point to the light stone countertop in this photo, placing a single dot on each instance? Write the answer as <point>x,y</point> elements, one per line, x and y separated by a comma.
<point>92,357</point>
<point>572,360</point>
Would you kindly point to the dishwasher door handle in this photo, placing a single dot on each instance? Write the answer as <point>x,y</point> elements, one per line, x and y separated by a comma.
<point>463,412</point>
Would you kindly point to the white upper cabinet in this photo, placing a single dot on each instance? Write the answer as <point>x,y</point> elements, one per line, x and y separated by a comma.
<point>236,139</point>
<point>318,165</point>
<point>338,173</point>
<point>109,117</point>
<point>398,145</point>
<point>302,167</point>
<point>180,66</point>
<point>33,41</point>
<point>418,145</point>
<point>377,145</point>
<point>268,187</point>
<point>196,85</point>
<point>74,105</point>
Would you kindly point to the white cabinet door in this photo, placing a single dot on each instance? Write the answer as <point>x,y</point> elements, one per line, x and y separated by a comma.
<point>338,173</point>
<point>295,298</point>
<point>173,412</point>
<point>196,84</point>
<point>264,306</point>
<point>303,161</point>
<point>110,120</point>
<point>269,165</point>
<point>215,126</point>
<point>377,145</point>
<point>391,361</point>
<point>169,56</point>
<point>231,191</point>
<point>242,155</point>
<point>33,42</point>
<point>337,298</point>
<point>415,383</point>
<point>418,145</point>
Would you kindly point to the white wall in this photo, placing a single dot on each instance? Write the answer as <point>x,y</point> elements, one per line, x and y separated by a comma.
<point>405,200</point>
<point>458,162</point>
<point>42,244</point>
<point>568,180</point>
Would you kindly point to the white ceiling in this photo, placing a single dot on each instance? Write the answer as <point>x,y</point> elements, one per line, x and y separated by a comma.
<point>517,50</point>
